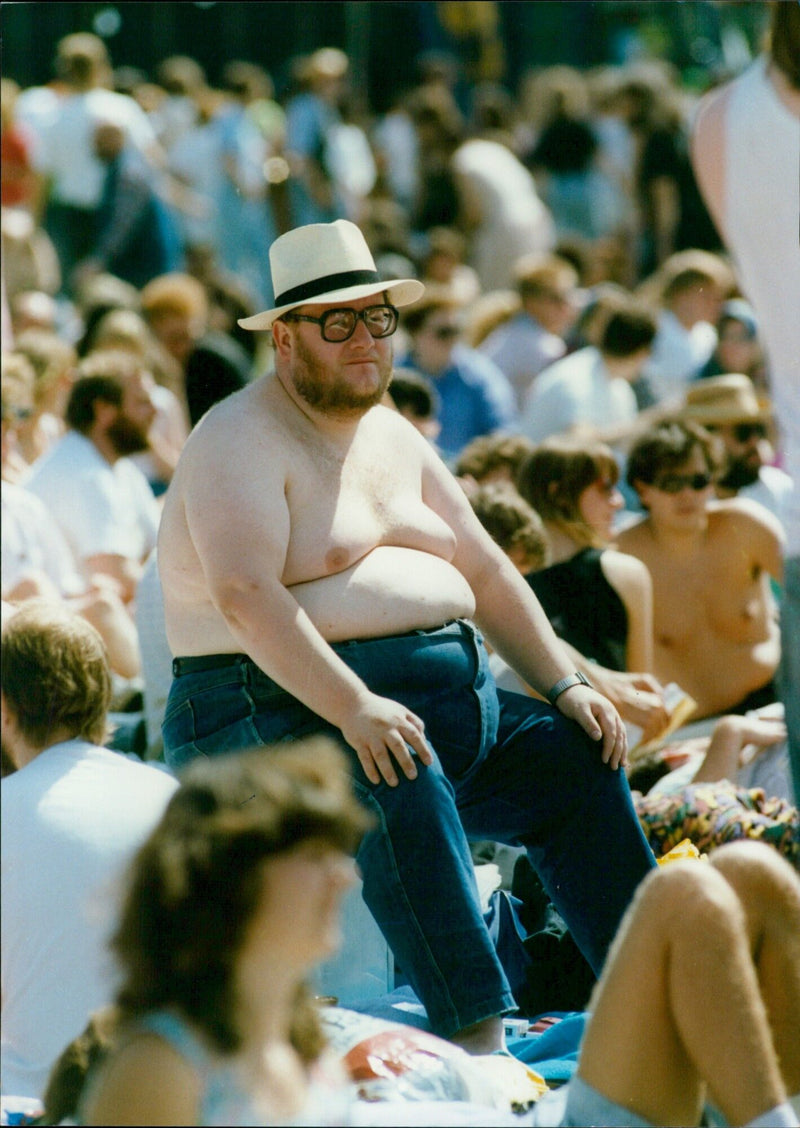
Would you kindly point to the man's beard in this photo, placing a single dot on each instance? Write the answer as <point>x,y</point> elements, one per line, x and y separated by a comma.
<point>127,437</point>
<point>739,473</point>
<point>312,381</point>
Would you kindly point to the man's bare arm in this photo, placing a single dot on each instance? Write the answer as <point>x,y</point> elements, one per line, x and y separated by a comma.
<point>512,617</point>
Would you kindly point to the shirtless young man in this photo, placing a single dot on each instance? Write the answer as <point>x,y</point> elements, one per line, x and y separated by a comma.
<point>322,571</point>
<point>714,617</point>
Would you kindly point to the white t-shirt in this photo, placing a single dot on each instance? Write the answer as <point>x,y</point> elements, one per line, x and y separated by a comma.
<point>678,354</point>
<point>522,348</point>
<point>99,508</point>
<point>577,389</point>
<point>71,820</point>
<point>514,221</point>
<point>64,148</point>
<point>32,543</point>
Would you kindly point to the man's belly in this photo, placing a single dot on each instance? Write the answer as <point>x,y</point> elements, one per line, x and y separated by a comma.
<point>389,591</point>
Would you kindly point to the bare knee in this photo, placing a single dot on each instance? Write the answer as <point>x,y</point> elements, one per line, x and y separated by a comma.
<point>766,884</point>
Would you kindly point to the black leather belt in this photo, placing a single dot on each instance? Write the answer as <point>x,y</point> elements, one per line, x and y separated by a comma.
<point>196,665</point>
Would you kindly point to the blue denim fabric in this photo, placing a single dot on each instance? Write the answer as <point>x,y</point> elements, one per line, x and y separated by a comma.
<point>507,768</point>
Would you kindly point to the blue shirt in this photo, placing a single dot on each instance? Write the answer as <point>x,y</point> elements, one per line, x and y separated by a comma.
<point>476,398</point>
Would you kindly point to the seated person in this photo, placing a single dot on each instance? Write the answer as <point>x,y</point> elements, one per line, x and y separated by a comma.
<point>53,361</point>
<point>739,346</point>
<point>716,630</point>
<point>698,1002</point>
<point>416,398</point>
<point>73,812</point>
<point>591,389</point>
<point>598,599</point>
<point>35,560</point>
<point>476,398</point>
<point>490,458</point>
<point>100,500</point>
<point>689,290</point>
<point>534,336</point>
<point>729,407</point>
<point>251,858</point>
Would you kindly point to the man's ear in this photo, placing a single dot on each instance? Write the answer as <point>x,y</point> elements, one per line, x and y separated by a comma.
<point>281,337</point>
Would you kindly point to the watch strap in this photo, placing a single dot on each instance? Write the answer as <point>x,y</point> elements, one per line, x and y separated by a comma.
<point>567,683</point>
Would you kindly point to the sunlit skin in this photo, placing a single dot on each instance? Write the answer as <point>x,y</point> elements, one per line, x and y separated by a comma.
<point>598,505</point>
<point>333,377</point>
<point>434,341</point>
<point>683,512</point>
<point>715,627</point>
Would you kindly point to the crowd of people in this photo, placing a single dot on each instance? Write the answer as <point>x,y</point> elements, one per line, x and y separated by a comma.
<point>457,444</point>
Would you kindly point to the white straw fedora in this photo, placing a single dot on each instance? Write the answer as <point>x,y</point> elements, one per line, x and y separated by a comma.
<point>326,263</point>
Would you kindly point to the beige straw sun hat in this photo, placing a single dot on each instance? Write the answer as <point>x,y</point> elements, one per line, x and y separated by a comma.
<point>722,400</point>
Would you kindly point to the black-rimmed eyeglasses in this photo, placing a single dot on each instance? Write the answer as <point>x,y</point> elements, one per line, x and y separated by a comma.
<point>338,325</point>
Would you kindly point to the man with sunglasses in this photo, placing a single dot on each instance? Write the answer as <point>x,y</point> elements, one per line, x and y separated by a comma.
<point>730,408</point>
<point>715,622</point>
<point>323,571</point>
<point>476,397</point>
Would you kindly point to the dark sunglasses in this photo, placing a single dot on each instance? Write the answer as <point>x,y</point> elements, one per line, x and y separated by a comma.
<point>674,483</point>
<point>743,432</point>
<point>338,325</point>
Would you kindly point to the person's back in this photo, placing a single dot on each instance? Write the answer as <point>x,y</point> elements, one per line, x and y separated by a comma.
<point>71,819</point>
<point>73,812</point>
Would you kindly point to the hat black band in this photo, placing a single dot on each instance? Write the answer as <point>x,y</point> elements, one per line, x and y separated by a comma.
<point>330,282</point>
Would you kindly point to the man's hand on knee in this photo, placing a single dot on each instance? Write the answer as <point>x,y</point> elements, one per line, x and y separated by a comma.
<point>381,732</point>
<point>597,717</point>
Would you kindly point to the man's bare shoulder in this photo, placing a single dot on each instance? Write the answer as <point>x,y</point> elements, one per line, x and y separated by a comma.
<point>236,426</point>
<point>743,515</point>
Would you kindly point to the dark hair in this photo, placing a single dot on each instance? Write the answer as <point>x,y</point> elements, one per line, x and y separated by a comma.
<point>67,1080</point>
<point>669,445</point>
<point>412,390</point>
<point>555,474</point>
<point>627,330</point>
<point>100,376</point>
<point>195,884</point>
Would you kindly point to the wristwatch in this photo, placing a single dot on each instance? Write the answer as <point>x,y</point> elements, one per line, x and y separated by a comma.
<point>567,683</point>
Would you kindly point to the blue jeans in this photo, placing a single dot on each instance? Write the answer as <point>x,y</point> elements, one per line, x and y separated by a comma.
<point>506,767</point>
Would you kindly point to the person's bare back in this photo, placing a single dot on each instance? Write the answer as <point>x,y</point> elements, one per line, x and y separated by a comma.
<point>715,623</point>
<point>363,554</point>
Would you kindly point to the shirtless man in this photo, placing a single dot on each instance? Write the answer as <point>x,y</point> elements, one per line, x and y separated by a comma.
<point>715,623</point>
<point>322,571</point>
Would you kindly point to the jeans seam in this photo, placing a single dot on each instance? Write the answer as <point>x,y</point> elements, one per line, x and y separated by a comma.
<point>410,914</point>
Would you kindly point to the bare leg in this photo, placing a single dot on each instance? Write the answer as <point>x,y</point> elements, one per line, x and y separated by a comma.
<point>769,891</point>
<point>679,1001</point>
<point>730,736</point>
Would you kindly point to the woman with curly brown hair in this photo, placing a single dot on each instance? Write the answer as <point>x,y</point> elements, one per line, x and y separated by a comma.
<point>231,902</point>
